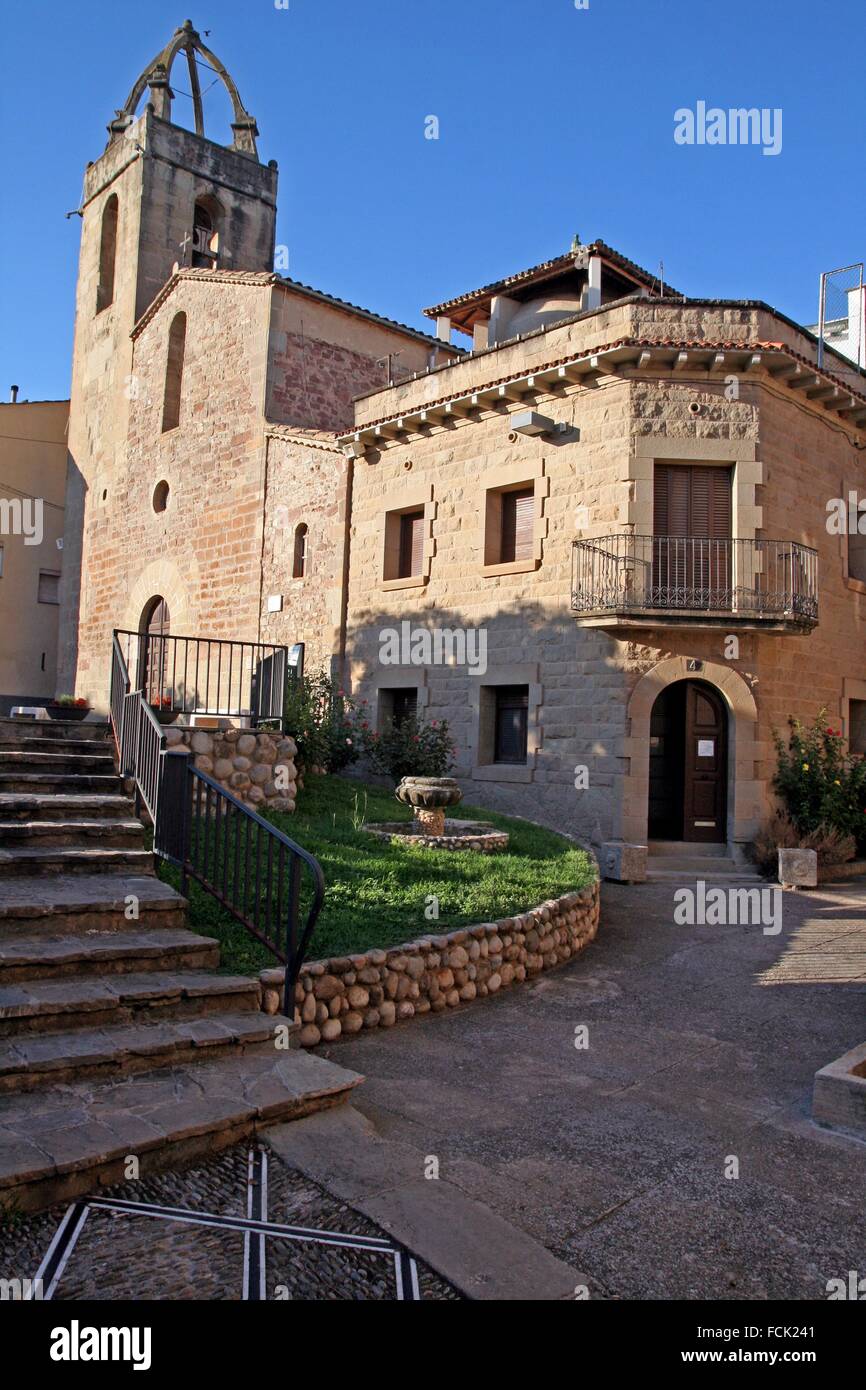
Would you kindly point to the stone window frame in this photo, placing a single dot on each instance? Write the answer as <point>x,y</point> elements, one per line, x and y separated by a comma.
<point>740,455</point>
<point>397,504</point>
<point>483,717</point>
<point>397,678</point>
<point>857,586</point>
<point>510,478</point>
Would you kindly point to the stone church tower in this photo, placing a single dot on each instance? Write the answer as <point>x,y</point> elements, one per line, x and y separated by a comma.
<point>158,198</point>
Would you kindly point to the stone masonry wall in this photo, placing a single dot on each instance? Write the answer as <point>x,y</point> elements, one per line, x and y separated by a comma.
<point>307,483</point>
<point>376,989</point>
<point>256,767</point>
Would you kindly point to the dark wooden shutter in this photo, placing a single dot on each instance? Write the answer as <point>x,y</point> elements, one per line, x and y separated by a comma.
<point>411,544</point>
<point>518,525</point>
<point>692,506</point>
<point>692,501</point>
<point>512,702</point>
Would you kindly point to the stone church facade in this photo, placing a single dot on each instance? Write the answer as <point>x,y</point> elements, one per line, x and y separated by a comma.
<point>617,494</point>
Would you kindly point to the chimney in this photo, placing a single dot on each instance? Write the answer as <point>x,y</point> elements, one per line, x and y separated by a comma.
<point>13,394</point>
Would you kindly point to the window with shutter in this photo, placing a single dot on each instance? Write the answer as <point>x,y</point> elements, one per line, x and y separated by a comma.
<point>518,516</point>
<point>411,545</point>
<point>692,530</point>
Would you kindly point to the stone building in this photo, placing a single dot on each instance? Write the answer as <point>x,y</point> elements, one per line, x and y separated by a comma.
<point>596,541</point>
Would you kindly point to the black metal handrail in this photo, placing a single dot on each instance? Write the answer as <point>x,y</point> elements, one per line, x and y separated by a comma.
<point>137,733</point>
<point>249,866</point>
<point>765,580</point>
<point>206,675</point>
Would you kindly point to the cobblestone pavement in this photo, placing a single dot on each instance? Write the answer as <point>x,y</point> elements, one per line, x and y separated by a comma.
<point>136,1257</point>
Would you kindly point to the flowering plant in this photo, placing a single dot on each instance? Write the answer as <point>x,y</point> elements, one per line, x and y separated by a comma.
<point>822,784</point>
<point>410,748</point>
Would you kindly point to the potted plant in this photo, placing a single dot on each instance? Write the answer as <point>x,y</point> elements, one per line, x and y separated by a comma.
<point>163,710</point>
<point>67,707</point>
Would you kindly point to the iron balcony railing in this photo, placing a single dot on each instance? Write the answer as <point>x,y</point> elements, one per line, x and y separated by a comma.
<point>270,884</point>
<point>206,675</point>
<point>762,580</point>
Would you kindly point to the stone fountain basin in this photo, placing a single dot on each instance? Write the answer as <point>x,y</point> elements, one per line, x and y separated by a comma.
<point>477,835</point>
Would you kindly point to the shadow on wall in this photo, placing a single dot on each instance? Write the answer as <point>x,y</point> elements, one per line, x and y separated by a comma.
<point>524,675</point>
<point>70,578</point>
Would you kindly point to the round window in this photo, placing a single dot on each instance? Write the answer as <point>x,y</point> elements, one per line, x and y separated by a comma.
<point>160,496</point>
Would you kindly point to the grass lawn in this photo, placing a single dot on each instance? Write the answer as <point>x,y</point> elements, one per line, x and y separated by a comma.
<point>377,891</point>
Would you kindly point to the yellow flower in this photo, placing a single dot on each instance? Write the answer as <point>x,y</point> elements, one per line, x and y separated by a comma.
<point>805,767</point>
<point>837,783</point>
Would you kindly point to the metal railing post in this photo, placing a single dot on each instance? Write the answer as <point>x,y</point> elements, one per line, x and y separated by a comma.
<point>171,831</point>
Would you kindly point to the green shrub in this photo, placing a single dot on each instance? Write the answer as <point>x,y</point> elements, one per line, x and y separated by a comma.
<point>322,720</point>
<point>822,785</point>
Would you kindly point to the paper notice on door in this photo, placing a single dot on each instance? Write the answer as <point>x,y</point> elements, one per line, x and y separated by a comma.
<point>706,747</point>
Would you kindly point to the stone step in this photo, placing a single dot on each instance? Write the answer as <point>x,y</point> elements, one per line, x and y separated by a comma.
<point>90,1001</point>
<point>682,849</point>
<point>714,871</point>
<point>72,833</point>
<point>57,1144</point>
<point>61,806</point>
<point>64,784</point>
<point>64,746</point>
<point>87,902</point>
<point>55,1059</point>
<point>42,956</point>
<point>65,763</point>
<point>13,730</point>
<point>75,861</point>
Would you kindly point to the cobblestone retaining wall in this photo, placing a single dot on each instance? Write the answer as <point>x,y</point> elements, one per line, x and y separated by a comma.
<point>382,987</point>
<point>257,767</point>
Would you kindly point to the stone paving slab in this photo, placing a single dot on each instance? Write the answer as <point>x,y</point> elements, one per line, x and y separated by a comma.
<point>72,1140</point>
<point>40,1058</point>
<point>40,897</point>
<point>81,994</point>
<point>482,1254</point>
<point>100,948</point>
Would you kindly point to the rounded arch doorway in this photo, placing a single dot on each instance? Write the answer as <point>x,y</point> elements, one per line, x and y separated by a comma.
<point>155,627</point>
<point>688,764</point>
<point>155,618</point>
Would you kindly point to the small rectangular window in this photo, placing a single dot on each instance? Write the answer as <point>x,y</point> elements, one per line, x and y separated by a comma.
<point>397,705</point>
<point>509,740</point>
<point>49,587</point>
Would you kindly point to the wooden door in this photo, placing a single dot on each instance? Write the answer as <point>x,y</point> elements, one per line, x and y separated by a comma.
<point>706,766</point>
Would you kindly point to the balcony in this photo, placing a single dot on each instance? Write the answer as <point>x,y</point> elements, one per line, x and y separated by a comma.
<point>630,581</point>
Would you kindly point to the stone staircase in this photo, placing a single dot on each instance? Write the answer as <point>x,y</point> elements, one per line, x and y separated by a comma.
<point>119,1039</point>
<point>675,861</point>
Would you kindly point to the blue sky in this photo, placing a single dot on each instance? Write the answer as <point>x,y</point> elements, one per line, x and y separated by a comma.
<point>552,120</point>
